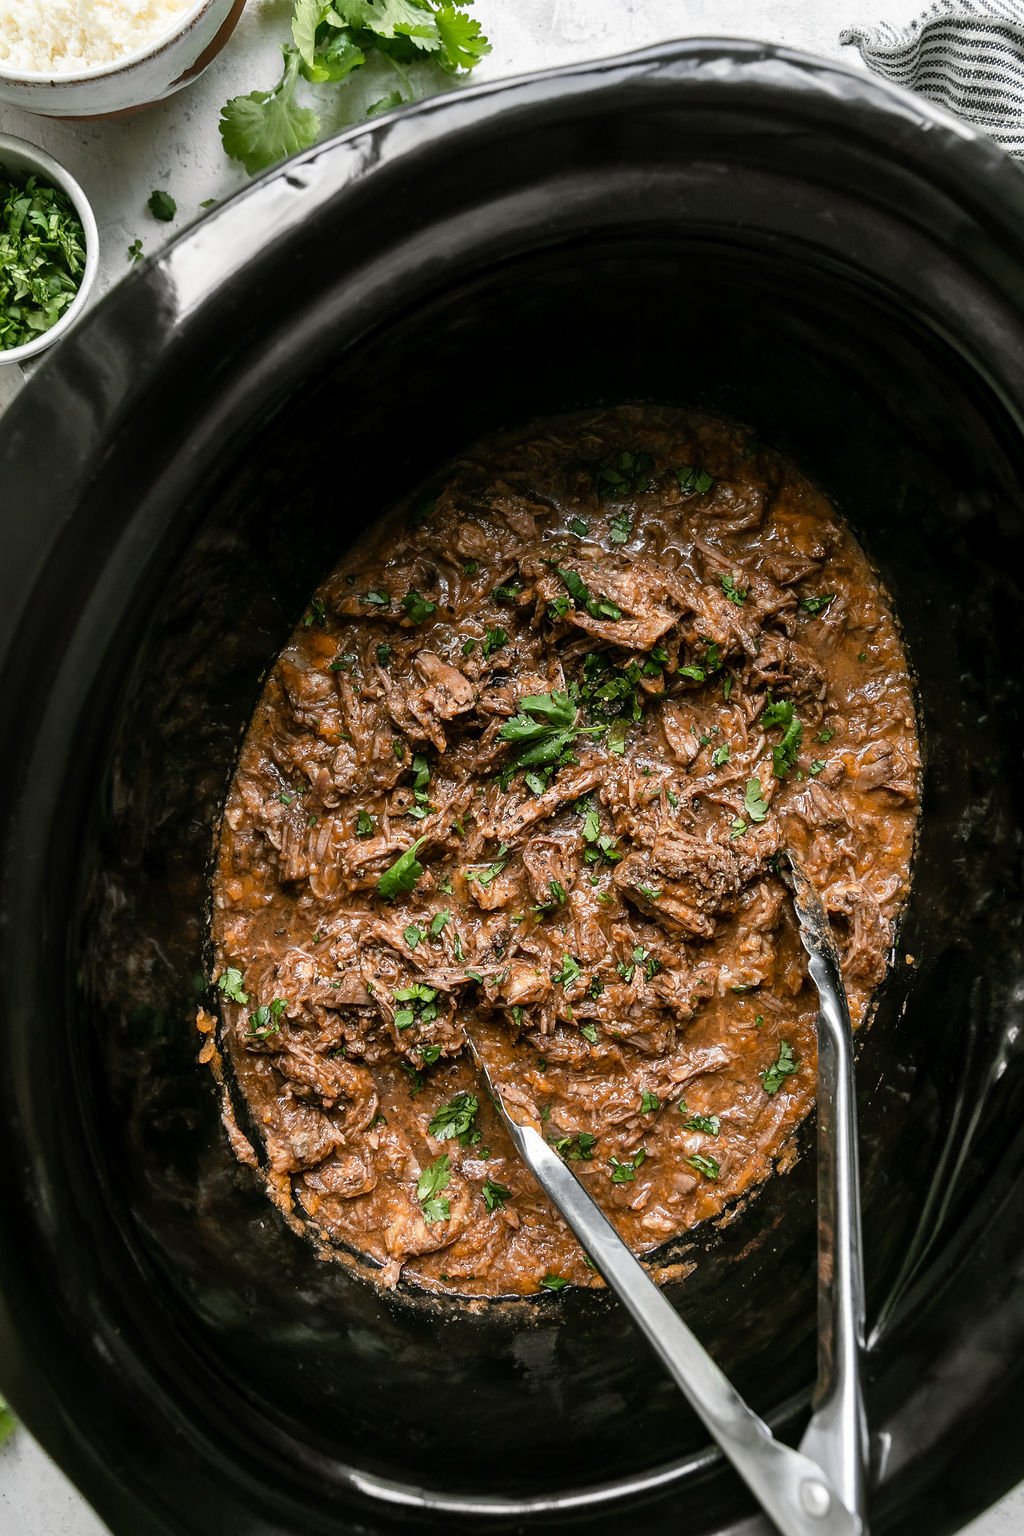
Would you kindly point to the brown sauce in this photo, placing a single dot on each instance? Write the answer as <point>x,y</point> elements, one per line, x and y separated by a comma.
<point>598,681</point>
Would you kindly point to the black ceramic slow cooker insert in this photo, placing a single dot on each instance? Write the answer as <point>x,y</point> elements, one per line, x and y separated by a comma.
<point>740,229</point>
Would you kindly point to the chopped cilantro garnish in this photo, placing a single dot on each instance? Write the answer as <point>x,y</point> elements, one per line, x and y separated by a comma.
<point>735,594</point>
<point>705,1165</point>
<point>589,1032</point>
<point>626,1172</point>
<point>578,527</point>
<point>428,1189</point>
<point>784,752</point>
<point>650,1104</point>
<point>494,639</point>
<point>403,874</point>
<point>413,935</point>
<point>384,654</point>
<point>621,528</point>
<point>784,1065</point>
<point>230,983</point>
<point>569,972</point>
<point>419,1005</point>
<point>376,599</point>
<point>494,1194</point>
<point>576,1149</point>
<point>552,1282</point>
<point>597,607</point>
<point>456,1119</point>
<point>364,824</point>
<point>693,481</point>
<point>418,608</point>
<point>266,1021</point>
<point>652,892</point>
<point>754,804</point>
<point>624,474</point>
<point>817,604</point>
<point>721,755</point>
<point>709,1124</point>
<point>486,874</point>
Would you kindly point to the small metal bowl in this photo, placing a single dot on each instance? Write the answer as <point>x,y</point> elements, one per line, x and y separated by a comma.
<point>126,85</point>
<point>26,160</point>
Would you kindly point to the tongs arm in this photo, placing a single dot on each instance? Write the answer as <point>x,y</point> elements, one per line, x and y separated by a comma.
<point>796,1492</point>
<point>836,1437</point>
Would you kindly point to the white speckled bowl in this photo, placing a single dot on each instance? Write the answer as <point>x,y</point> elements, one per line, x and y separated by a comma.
<point>139,79</point>
<point>25,159</point>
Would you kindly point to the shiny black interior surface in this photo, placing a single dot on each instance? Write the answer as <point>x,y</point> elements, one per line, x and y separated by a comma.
<point>723,226</point>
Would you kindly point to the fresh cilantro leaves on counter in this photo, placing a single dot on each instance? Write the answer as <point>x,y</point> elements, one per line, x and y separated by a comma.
<point>266,1021</point>
<point>624,474</point>
<point>265,126</point>
<point>162,206</point>
<point>494,1194</point>
<point>230,983</point>
<point>785,751</point>
<point>817,605</point>
<point>403,874</point>
<point>456,1119</point>
<point>330,42</point>
<point>754,804</point>
<point>705,1165</point>
<point>735,594</point>
<point>782,1067</point>
<point>428,1190</point>
<point>693,482</point>
<point>626,1172</point>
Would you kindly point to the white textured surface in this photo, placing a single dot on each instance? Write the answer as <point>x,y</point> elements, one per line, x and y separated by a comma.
<point>176,146</point>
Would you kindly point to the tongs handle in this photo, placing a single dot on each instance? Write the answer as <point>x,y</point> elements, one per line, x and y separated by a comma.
<point>793,1489</point>
<point>836,1437</point>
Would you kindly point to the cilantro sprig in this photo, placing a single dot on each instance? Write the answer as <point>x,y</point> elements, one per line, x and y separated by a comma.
<point>543,731</point>
<point>330,43</point>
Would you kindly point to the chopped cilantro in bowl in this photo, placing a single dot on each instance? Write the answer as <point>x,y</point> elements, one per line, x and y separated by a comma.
<point>48,250</point>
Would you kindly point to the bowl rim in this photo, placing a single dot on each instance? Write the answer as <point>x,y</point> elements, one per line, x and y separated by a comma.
<point>47,80</point>
<point>44,165</point>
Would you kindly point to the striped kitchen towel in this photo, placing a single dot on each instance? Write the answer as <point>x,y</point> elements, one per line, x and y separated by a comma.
<point>968,55</point>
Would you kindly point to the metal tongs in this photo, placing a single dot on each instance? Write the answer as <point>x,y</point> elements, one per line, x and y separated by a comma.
<point>817,1490</point>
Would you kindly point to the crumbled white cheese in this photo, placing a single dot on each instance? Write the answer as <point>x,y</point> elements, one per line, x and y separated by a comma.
<point>62,37</point>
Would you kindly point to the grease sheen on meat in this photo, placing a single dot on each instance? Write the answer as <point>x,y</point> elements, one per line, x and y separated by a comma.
<point>710,670</point>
